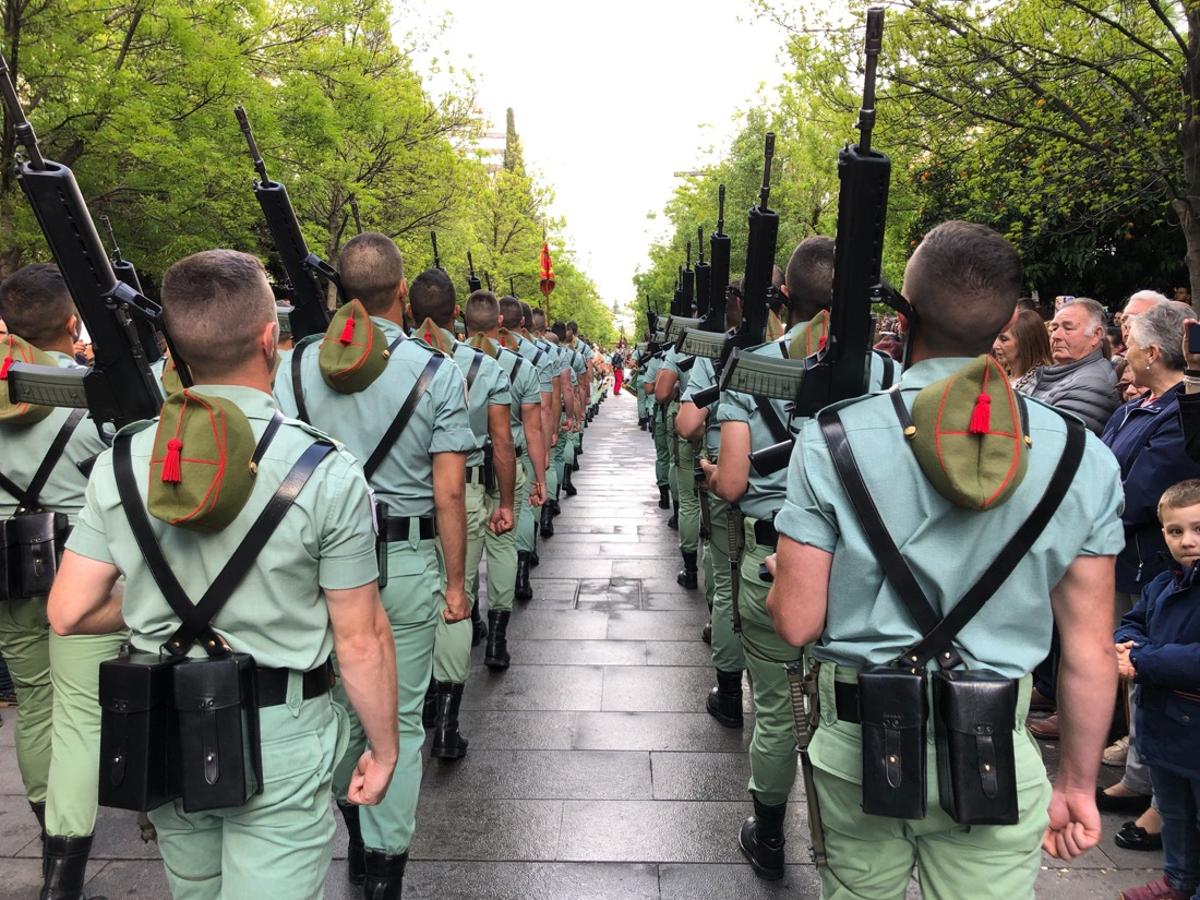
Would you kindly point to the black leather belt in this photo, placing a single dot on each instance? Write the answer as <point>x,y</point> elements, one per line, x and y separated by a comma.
<point>475,475</point>
<point>846,696</point>
<point>273,684</point>
<point>765,534</point>
<point>398,528</point>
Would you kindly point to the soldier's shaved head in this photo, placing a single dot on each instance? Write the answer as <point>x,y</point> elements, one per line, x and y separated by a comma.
<point>372,269</point>
<point>215,306</point>
<point>482,312</point>
<point>510,308</point>
<point>809,278</point>
<point>526,315</point>
<point>432,297</point>
<point>36,304</point>
<point>963,282</point>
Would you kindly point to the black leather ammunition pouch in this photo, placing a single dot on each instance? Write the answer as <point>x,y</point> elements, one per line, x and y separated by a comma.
<point>139,734</point>
<point>31,547</point>
<point>220,753</point>
<point>489,466</point>
<point>976,716</point>
<point>893,712</point>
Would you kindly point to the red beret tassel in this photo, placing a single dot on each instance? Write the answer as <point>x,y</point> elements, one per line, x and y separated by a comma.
<point>347,337</point>
<point>981,416</point>
<point>172,468</point>
<point>4,367</point>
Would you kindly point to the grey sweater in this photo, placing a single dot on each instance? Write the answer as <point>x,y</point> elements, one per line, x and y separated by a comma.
<point>1086,387</point>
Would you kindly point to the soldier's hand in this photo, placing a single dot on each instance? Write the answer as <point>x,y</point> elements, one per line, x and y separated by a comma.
<point>771,562</point>
<point>537,494</point>
<point>370,780</point>
<point>710,475</point>
<point>554,440</point>
<point>458,606</point>
<point>1074,824</point>
<point>501,521</point>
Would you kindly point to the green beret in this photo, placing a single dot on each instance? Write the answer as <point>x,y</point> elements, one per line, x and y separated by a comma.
<point>810,337</point>
<point>486,344</point>
<point>968,436</point>
<point>201,470</point>
<point>354,352</point>
<point>18,350</point>
<point>170,377</point>
<point>434,337</point>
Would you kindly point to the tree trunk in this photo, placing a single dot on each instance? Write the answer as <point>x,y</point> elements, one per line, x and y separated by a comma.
<point>1189,224</point>
<point>1188,206</point>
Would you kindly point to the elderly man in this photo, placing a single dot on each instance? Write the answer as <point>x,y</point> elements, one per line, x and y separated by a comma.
<point>1081,381</point>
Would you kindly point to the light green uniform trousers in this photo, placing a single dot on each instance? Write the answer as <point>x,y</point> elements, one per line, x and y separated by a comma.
<point>71,797</point>
<point>413,599</point>
<point>727,653</point>
<point>872,857</point>
<point>773,747</point>
<point>551,475</point>
<point>24,643</point>
<point>662,448</point>
<point>501,551</point>
<point>452,643</point>
<point>689,496</point>
<point>527,516</point>
<point>280,843</point>
<point>642,403</point>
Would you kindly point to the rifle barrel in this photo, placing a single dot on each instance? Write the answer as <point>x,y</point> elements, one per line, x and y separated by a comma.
<point>255,156</point>
<point>21,127</point>
<point>721,209</point>
<point>768,157</point>
<point>700,242</point>
<point>874,44</point>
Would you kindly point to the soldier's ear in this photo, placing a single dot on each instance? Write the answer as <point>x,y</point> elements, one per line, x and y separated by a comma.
<point>402,291</point>
<point>73,327</point>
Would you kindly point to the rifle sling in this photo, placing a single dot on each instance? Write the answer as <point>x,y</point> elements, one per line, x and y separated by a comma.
<point>30,497</point>
<point>939,631</point>
<point>297,381</point>
<point>473,369</point>
<point>402,417</point>
<point>196,618</point>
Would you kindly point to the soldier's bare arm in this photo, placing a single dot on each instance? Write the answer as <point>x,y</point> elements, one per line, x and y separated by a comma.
<point>729,479</point>
<point>1087,682</point>
<point>799,596</point>
<point>86,598</point>
<point>531,416</point>
<point>690,421</point>
<point>449,501</point>
<point>504,460</point>
<point>366,652</point>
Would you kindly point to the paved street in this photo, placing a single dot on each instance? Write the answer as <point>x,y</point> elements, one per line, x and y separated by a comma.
<point>593,771</point>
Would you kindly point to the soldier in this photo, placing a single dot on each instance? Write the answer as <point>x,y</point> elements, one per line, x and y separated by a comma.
<point>670,385</point>
<point>573,374</point>
<point>724,702</point>
<point>311,589</point>
<point>947,471</point>
<point>417,476</point>
<point>517,338</point>
<point>483,318</point>
<point>658,427</point>
<point>47,454</point>
<point>491,460</point>
<point>749,424</point>
<point>560,406</point>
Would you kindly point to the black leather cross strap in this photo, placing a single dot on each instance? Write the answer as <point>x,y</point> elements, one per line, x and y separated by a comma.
<point>473,369</point>
<point>889,370</point>
<point>196,618</point>
<point>775,424</point>
<point>384,447</point>
<point>939,631</point>
<point>30,498</point>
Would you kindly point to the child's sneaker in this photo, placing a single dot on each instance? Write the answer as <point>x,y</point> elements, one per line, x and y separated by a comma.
<point>1155,890</point>
<point>1115,753</point>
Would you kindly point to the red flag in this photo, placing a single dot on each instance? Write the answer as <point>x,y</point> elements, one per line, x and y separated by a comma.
<point>547,280</point>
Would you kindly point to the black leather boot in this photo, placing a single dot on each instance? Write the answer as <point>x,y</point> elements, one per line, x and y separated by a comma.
<point>354,851</point>
<point>447,742</point>
<point>725,700</point>
<point>39,813</point>
<point>429,709</point>
<point>479,629</point>
<point>579,451</point>
<point>523,590</point>
<point>673,522</point>
<point>534,559</point>
<point>496,655</point>
<point>569,489</point>
<point>547,521</point>
<point>384,875</point>
<point>761,840</point>
<point>65,867</point>
<point>664,497</point>
<point>706,633</point>
<point>688,575</point>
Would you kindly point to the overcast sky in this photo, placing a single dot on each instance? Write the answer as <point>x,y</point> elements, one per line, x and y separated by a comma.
<point>611,99</point>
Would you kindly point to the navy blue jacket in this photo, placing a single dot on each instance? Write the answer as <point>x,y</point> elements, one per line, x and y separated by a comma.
<point>1165,626</point>
<point>1148,443</point>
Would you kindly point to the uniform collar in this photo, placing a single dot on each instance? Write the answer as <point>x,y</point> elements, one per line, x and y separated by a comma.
<point>927,371</point>
<point>786,337</point>
<point>388,327</point>
<point>64,360</point>
<point>255,404</point>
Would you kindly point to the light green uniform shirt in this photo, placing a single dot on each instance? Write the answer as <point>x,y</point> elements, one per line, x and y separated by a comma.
<point>651,372</point>
<point>404,479</point>
<point>278,613</point>
<point>23,447</point>
<point>488,388</point>
<point>703,375</point>
<point>524,387</point>
<point>671,364</point>
<point>947,547</point>
<point>764,493</point>
<point>540,359</point>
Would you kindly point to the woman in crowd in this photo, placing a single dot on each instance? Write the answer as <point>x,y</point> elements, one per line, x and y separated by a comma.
<point>1145,436</point>
<point>1022,349</point>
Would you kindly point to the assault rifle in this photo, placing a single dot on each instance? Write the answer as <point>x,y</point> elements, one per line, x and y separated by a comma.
<point>302,268</point>
<point>120,387</point>
<point>437,259</point>
<point>842,368</point>
<point>709,339</point>
<point>122,268</point>
<point>703,270</point>
<point>473,282</point>
<point>760,266</point>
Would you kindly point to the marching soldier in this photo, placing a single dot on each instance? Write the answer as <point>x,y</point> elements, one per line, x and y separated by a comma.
<point>561,404</point>
<point>483,318</point>
<point>658,427</point>
<point>537,443</point>
<point>154,503</point>
<point>47,455</point>
<point>398,404</point>
<point>749,424</point>
<point>670,385</point>
<point>954,466</point>
<point>491,461</point>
